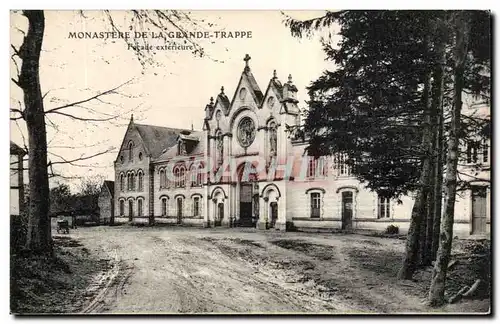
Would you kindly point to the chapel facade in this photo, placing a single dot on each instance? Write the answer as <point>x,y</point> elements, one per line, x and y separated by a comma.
<point>248,167</point>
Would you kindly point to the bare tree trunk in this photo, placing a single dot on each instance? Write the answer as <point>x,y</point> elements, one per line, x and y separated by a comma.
<point>39,237</point>
<point>438,152</point>
<point>436,291</point>
<point>426,166</point>
<point>435,184</point>
<point>416,231</point>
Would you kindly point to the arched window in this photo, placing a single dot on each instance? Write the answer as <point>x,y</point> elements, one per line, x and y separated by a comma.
<point>162,178</point>
<point>122,207</point>
<point>130,209</point>
<point>140,211</point>
<point>129,183</point>
<point>164,206</point>
<point>130,151</point>
<point>140,178</point>
<point>176,177</point>
<point>132,181</point>
<point>182,175</point>
<point>122,182</point>
<point>199,175</point>
<point>196,175</point>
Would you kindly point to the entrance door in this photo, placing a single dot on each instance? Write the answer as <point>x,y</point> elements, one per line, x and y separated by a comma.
<point>130,210</point>
<point>274,213</point>
<point>246,204</point>
<point>478,210</point>
<point>220,214</point>
<point>179,210</point>
<point>347,210</point>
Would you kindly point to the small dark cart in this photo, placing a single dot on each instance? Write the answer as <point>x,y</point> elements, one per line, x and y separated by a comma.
<point>62,226</point>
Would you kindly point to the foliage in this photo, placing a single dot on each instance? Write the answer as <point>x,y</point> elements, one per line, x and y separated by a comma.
<point>373,106</point>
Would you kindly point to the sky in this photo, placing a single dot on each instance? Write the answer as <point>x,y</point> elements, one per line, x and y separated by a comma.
<point>171,92</point>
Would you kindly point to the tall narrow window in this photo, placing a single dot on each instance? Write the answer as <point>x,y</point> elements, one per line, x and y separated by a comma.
<point>164,206</point>
<point>176,177</point>
<point>122,207</point>
<point>132,181</point>
<point>130,209</point>
<point>341,165</point>
<point>130,151</point>
<point>196,206</point>
<point>139,207</point>
<point>472,148</point>
<point>122,182</point>
<point>220,148</point>
<point>140,177</point>
<point>162,179</point>
<point>193,174</point>
<point>182,177</point>
<point>315,205</point>
<point>199,175</point>
<point>129,185</point>
<point>384,207</point>
<point>273,140</point>
<point>485,150</point>
<point>311,169</point>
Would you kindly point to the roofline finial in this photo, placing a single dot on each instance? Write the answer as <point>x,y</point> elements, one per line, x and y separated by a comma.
<point>275,76</point>
<point>132,118</point>
<point>290,78</point>
<point>246,59</point>
<point>222,90</point>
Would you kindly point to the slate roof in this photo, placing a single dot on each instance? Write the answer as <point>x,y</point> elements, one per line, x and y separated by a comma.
<point>157,138</point>
<point>256,92</point>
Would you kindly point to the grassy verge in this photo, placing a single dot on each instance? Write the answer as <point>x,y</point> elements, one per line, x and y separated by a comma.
<point>54,284</point>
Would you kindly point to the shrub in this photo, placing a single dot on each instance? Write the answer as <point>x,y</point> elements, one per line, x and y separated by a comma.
<point>18,231</point>
<point>392,229</point>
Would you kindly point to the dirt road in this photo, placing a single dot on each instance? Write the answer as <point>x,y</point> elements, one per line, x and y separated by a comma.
<point>190,270</point>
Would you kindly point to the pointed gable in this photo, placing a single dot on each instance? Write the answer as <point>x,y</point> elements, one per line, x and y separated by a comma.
<point>253,87</point>
<point>275,86</point>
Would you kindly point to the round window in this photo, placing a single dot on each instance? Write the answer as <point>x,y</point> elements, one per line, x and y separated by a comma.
<point>246,131</point>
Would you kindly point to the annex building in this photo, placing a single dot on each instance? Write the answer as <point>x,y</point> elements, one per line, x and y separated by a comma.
<point>247,167</point>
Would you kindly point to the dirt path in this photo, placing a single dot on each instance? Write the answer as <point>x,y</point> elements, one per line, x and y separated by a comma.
<point>189,270</point>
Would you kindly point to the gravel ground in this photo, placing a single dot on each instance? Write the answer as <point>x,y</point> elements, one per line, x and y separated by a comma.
<point>194,270</point>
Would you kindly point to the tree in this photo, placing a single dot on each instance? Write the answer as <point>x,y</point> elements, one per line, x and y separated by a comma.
<point>436,292</point>
<point>33,113</point>
<point>376,107</point>
<point>395,75</point>
<point>60,199</point>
